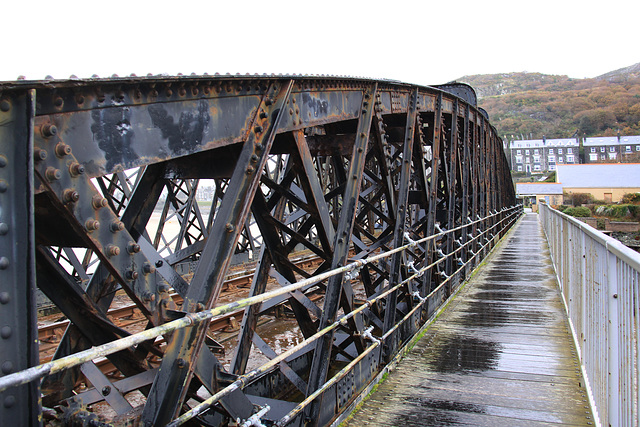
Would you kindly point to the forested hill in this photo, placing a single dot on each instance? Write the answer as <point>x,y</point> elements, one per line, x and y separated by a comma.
<point>531,105</point>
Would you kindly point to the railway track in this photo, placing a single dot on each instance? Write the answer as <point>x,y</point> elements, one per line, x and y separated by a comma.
<point>130,318</point>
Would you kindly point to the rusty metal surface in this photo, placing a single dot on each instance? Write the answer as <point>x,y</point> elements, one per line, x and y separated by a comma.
<point>341,167</point>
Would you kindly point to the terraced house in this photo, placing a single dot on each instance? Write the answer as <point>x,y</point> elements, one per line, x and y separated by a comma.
<point>612,149</point>
<point>541,155</point>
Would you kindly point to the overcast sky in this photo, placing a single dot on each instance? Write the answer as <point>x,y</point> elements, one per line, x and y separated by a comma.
<point>417,41</point>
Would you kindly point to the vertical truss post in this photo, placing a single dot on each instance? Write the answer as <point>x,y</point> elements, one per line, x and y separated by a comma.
<point>482,176</point>
<point>399,227</point>
<point>322,354</point>
<point>475,177</point>
<point>432,198</point>
<point>19,335</point>
<point>170,386</point>
<point>451,185</point>
<point>466,176</point>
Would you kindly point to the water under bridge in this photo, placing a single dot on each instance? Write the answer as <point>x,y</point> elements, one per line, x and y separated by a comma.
<point>179,227</point>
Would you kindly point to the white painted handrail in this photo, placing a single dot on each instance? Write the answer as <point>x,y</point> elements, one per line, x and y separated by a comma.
<point>600,282</point>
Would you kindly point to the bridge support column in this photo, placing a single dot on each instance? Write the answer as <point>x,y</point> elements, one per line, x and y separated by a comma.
<point>18,329</point>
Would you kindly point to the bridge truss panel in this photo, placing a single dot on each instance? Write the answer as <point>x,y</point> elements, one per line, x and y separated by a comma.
<point>100,188</point>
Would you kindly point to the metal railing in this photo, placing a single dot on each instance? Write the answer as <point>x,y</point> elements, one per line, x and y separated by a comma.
<point>495,226</point>
<point>599,278</point>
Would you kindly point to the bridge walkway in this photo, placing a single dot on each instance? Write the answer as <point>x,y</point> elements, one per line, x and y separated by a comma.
<point>501,353</point>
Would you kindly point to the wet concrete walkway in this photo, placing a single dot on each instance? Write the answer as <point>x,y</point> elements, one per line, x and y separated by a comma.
<point>501,354</point>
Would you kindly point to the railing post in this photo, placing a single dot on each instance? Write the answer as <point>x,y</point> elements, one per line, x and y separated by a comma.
<point>613,386</point>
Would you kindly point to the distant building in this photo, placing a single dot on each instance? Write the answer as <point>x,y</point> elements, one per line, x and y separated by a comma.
<point>604,181</point>
<point>533,192</point>
<point>541,155</point>
<point>612,149</point>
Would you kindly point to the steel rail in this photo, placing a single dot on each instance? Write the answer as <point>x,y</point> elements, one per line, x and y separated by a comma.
<point>242,380</point>
<point>189,319</point>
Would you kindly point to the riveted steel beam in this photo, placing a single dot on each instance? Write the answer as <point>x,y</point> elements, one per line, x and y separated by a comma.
<point>401,216</point>
<point>317,166</point>
<point>335,288</point>
<point>18,333</point>
<point>170,386</point>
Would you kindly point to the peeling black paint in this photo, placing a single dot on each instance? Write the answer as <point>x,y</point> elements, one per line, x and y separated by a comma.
<point>188,133</point>
<point>318,107</point>
<point>112,130</point>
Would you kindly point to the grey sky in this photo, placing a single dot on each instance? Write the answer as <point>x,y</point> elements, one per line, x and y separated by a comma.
<point>424,42</point>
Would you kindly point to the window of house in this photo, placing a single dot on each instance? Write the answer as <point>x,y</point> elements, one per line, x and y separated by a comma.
<point>612,149</point>
<point>536,159</point>
<point>593,149</point>
<point>526,152</point>
<point>552,159</point>
<point>519,168</point>
<point>560,160</point>
<point>612,156</point>
<point>518,159</point>
<point>593,157</point>
<point>602,149</point>
<point>570,158</point>
<point>569,150</point>
<point>519,152</point>
<point>550,150</point>
<point>536,167</point>
<point>603,157</point>
<point>559,150</point>
<point>637,147</point>
<point>528,159</point>
<point>628,148</point>
<point>536,151</point>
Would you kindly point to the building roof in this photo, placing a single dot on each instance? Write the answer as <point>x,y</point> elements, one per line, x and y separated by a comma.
<point>630,139</point>
<point>599,175</point>
<point>612,140</point>
<point>527,143</point>
<point>537,143</point>
<point>538,188</point>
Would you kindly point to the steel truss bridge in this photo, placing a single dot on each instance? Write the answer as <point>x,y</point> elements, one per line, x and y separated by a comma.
<point>400,190</point>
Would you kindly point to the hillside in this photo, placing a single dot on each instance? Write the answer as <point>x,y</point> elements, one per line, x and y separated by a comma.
<point>530,105</point>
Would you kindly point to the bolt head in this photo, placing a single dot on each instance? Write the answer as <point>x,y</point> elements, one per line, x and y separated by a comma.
<point>39,154</point>
<point>92,224</point>
<point>53,174</point>
<point>62,149</point>
<point>116,226</point>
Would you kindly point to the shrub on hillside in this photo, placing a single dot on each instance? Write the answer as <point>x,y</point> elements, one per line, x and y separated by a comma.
<point>580,211</point>
<point>562,208</point>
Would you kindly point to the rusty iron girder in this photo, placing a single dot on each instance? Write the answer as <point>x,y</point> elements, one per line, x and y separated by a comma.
<point>99,188</point>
